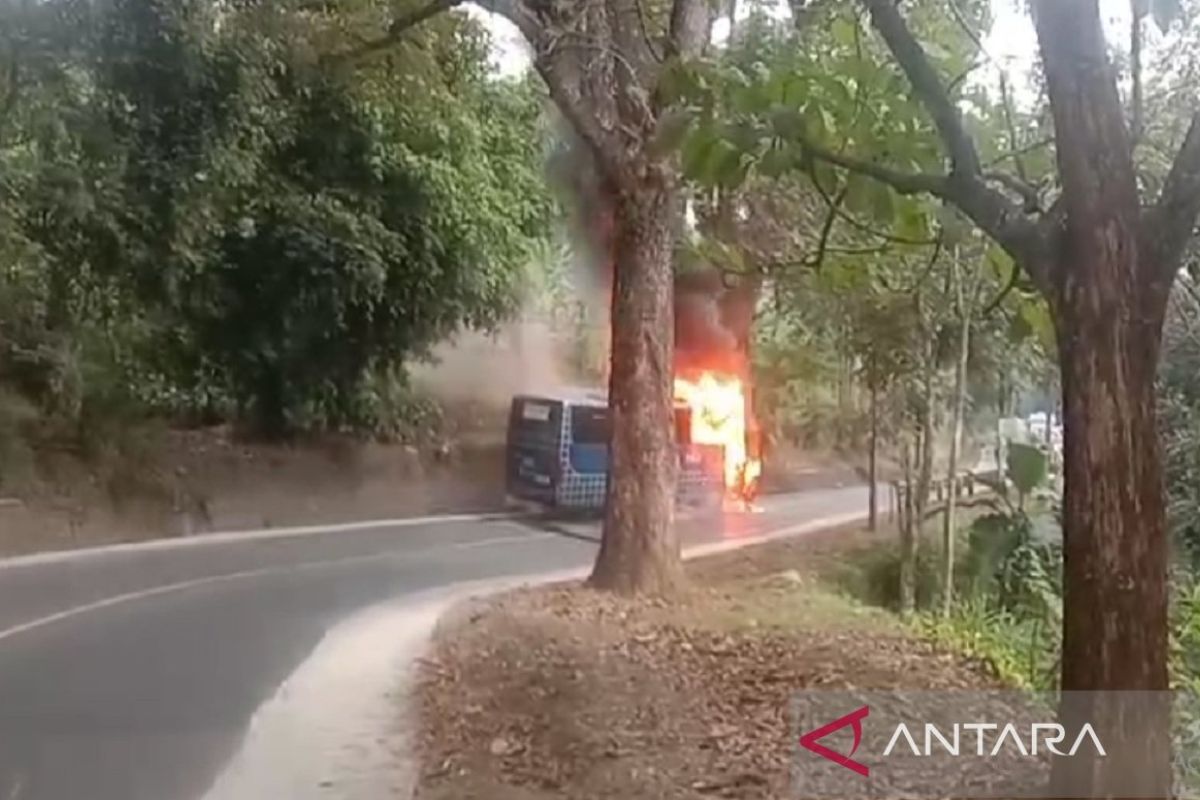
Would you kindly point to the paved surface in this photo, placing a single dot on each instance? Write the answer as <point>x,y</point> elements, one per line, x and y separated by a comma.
<point>131,673</point>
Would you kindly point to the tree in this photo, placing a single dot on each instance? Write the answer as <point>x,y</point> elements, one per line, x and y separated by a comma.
<point>1105,263</point>
<point>207,221</point>
<point>965,291</point>
<point>603,63</point>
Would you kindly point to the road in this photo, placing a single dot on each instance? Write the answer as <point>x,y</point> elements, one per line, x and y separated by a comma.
<point>132,672</point>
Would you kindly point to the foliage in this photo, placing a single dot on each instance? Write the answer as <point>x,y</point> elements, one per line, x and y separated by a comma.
<point>1179,404</point>
<point>1020,651</point>
<point>202,216</point>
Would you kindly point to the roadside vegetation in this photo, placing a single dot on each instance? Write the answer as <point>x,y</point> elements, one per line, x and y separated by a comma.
<point>259,216</point>
<point>564,690</point>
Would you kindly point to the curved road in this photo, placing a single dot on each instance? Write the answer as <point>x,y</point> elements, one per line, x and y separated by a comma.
<point>132,672</point>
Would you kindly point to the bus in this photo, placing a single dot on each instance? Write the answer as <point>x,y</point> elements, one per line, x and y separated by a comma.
<point>556,454</point>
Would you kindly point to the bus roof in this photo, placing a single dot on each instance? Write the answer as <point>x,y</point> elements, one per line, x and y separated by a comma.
<point>576,396</point>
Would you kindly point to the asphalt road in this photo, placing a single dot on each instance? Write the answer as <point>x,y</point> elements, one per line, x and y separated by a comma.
<point>131,673</point>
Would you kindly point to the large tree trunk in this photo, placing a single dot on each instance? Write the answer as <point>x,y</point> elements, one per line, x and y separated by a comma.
<point>1115,626</point>
<point>1109,299</point>
<point>639,551</point>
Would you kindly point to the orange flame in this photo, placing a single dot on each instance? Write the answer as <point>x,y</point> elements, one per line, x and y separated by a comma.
<point>718,405</point>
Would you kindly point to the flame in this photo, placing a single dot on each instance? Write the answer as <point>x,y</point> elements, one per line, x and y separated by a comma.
<point>718,405</point>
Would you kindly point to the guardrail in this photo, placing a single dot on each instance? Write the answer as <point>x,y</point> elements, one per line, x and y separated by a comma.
<point>968,485</point>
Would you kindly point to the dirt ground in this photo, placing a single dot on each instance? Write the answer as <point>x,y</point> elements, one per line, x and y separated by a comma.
<point>192,482</point>
<point>564,692</point>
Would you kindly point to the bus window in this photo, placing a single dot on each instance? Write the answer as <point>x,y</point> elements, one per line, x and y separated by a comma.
<point>533,420</point>
<point>589,425</point>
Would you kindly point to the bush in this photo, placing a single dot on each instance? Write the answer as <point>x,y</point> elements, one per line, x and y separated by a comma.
<point>1019,650</point>
<point>16,454</point>
<point>873,576</point>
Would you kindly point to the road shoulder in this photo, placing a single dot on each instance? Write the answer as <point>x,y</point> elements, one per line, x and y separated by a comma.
<point>561,691</point>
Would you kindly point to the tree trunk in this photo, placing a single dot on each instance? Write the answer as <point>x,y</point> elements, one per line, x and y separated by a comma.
<point>908,545</point>
<point>925,477</point>
<point>950,524</point>
<point>1109,298</point>
<point>911,542</point>
<point>1115,604</point>
<point>872,461</point>
<point>639,551</point>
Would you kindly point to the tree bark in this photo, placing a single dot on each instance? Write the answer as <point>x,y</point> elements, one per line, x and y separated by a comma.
<point>873,458</point>
<point>639,551</point>
<point>925,475</point>
<point>1115,604</point>
<point>950,522</point>
<point>908,544</point>
<point>1109,296</point>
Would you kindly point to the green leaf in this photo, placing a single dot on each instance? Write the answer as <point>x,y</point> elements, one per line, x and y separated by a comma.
<point>796,90</point>
<point>733,171</point>
<point>911,220</point>
<point>1000,261</point>
<point>1036,314</point>
<point>1027,466</point>
<point>881,202</point>
<point>788,123</point>
<point>750,99</point>
<point>775,162</point>
<point>843,31</point>
<point>859,191</point>
<point>826,176</point>
<point>721,164</point>
<point>1019,329</point>
<point>814,121</point>
<point>697,150</point>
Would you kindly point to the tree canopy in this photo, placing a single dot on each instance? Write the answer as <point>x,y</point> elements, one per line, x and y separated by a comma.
<point>201,204</point>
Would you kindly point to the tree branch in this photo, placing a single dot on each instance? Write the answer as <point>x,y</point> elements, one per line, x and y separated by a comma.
<point>1020,151</point>
<point>1029,193</point>
<point>396,30</point>
<point>827,227</point>
<point>991,211</point>
<point>1135,59</point>
<point>641,16</point>
<point>1009,285</point>
<point>689,27</point>
<point>906,183</point>
<point>1173,218</point>
<point>926,84</point>
<point>859,224</point>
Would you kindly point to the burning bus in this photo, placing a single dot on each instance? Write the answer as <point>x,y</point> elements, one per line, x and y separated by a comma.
<point>557,445</point>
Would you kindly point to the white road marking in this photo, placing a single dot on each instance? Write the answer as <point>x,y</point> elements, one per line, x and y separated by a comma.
<point>249,535</point>
<point>155,591</point>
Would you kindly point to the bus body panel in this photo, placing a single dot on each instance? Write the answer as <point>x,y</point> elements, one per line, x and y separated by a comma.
<point>557,455</point>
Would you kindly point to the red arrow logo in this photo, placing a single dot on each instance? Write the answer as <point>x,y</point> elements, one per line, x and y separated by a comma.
<point>811,740</point>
